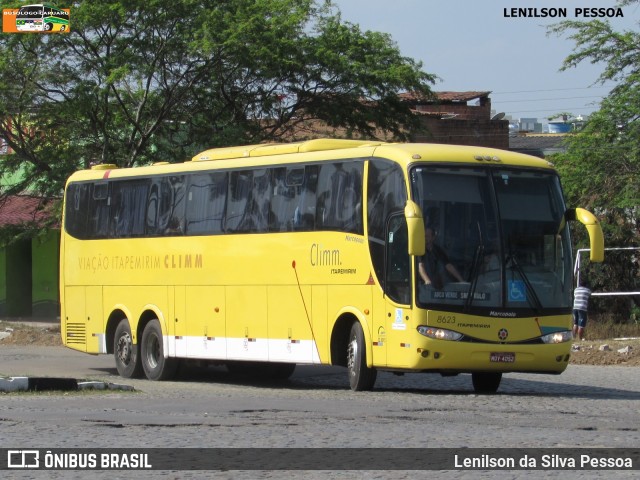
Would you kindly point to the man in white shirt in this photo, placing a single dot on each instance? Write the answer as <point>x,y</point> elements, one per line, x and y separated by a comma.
<point>580,306</point>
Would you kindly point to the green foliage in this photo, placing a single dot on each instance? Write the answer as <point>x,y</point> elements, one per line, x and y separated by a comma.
<point>561,115</point>
<point>601,168</point>
<point>157,80</point>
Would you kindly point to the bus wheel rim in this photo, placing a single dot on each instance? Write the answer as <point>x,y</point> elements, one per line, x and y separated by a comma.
<point>124,348</point>
<point>352,353</point>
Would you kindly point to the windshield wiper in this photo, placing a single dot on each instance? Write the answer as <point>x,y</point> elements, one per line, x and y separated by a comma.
<point>474,276</point>
<point>537,305</point>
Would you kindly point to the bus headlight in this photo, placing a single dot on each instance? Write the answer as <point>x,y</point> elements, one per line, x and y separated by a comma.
<point>439,333</point>
<point>557,337</point>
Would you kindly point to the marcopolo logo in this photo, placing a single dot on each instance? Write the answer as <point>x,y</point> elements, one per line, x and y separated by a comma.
<point>37,18</point>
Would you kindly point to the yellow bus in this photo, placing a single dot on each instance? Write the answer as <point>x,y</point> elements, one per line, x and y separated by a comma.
<point>262,257</point>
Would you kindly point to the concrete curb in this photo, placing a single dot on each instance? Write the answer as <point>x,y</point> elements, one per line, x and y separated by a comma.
<point>104,386</point>
<point>41,384</point>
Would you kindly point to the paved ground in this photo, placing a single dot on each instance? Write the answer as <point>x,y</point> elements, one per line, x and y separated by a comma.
<point>53,362</point>
<point>584,407</point>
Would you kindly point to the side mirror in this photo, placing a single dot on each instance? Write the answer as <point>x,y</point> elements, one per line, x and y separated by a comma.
<point>596,238</point>
<point>415,228</point>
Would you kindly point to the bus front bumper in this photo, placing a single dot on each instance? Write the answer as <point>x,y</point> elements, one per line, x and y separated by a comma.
<point>465,357</point>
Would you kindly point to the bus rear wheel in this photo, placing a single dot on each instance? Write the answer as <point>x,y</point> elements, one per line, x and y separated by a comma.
<point>154,363</point>
<point>361,377</point>
<point>486,382</point>
<point>125,352</point>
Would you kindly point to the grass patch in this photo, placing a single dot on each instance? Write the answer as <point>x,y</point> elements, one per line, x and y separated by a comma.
<point>603,327</point>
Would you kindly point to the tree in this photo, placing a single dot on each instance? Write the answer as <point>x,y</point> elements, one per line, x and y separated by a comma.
<point>156,80</point>
<point>601,168</point>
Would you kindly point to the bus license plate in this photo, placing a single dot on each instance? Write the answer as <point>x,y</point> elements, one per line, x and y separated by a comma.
<point>502,357</point>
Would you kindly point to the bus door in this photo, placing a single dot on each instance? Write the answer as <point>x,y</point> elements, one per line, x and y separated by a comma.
<point>398,322</point>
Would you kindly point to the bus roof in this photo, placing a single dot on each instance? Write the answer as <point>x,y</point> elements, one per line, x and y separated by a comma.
<point>317,145</point>
<point>409,152</point>
<point>324,149</point>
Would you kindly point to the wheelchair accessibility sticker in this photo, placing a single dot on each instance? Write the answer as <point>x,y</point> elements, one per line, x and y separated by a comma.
<point>517,291</point>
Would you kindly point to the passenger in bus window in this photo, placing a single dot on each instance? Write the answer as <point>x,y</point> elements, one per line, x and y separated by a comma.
<point>434,265</point>
<point>491,261</point>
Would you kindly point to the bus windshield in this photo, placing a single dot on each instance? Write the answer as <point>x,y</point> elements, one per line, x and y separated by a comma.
<point>497,240</point>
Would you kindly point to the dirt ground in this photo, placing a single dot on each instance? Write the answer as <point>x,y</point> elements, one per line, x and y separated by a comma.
<point>591,352</point>
<point>607,352</point>
<point>24,334</point>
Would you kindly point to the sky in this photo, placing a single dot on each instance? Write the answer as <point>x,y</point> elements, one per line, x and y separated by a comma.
<point>471,46</point>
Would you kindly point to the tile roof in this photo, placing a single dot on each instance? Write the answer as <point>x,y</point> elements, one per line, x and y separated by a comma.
<point>460,96</point>
<point>537,141</point>
<point>21,209</point>
<point>445,96</point>
<point>539,145</point>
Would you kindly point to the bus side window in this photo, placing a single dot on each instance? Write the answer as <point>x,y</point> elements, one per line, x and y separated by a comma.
<point>153,208</point>
<point>293,199</point>
<point>165,206</point>
<point>205,203</point>
<point>174,206</point>
<point>76,210</point>
<point>256,214</point>
<point>339,198</point>
<point>240,184</point>
<point>128,208</point>
<point>305,212</point>
<point>98,211</point>
<point>282,202</point>
<point>158,206</point>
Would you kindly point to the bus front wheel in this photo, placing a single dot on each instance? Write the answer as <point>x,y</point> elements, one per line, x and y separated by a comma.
<point>361,377</point>
<point>125,352</point>
<point>486,382</point>
<point>154,363</point>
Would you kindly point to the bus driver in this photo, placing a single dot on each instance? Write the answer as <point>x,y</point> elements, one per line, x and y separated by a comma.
<point>432,265</point>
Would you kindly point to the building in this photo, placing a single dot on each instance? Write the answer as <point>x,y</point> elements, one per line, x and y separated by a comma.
<point>28,266</point>
<point>538,144</point>
<point>530,125</point>
<point>459,118</point>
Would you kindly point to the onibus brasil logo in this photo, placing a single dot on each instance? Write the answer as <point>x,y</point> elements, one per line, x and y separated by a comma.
<point>43,18</point>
